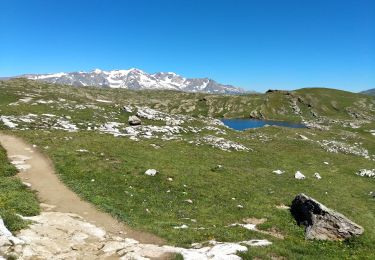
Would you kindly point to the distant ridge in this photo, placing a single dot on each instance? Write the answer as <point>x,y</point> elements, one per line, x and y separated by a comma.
<point>369,92</point>
<point>136,79</point>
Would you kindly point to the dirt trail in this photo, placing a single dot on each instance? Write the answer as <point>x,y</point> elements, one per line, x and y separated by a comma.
<point>50,190</point>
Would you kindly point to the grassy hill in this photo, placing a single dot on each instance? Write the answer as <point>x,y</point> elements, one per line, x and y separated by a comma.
<point>206,170</point>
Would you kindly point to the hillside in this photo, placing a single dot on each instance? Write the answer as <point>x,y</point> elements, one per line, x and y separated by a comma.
<point>212,179</point>
<point>369,92</point>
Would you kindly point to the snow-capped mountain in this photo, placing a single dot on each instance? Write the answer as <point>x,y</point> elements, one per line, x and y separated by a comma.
<point>136,79</point>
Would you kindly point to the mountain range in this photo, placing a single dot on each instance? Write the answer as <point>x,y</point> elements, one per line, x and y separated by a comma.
<point>136,79</point>
<point>370,92</point>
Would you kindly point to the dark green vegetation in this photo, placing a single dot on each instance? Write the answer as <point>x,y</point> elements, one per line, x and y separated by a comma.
<point>110,174</point>
<point>15,198</point>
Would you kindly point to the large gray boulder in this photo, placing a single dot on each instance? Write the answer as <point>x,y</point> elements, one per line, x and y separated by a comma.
<point>320,222</point>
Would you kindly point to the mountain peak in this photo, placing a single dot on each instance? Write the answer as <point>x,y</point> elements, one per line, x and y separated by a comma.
<point>97,71</point>
<point>134,78</point>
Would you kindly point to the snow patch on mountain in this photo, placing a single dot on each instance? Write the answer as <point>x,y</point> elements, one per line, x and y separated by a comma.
<point>136,79</point>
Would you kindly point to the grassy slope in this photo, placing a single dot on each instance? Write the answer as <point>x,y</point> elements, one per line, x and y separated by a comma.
<point>15,198</point>
<point>117,164</point>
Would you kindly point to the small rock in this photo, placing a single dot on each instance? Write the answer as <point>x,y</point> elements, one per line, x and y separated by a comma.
<point>82,150</point>
<point>278,172</point>
<point>127,109</point>
<point>239,206</point>
<point>151,172</point>
<point>317,175</point>
<point>282,206</point>
<point>134,120</point>
<point>189,201</point>
<point>27,184</point>
<point>299,176</point>
<point>182,227</point>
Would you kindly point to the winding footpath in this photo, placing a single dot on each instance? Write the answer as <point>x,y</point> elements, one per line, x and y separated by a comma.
<point>70,228</point>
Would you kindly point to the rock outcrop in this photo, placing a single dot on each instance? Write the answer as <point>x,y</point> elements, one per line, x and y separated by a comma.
<point>321,222</point>
<point>6,237</point>
<point>57,235</point>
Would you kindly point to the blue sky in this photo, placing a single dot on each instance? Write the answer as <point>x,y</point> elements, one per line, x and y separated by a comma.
<point>256,45</point>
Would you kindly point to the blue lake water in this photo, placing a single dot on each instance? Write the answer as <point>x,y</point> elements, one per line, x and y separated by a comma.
<point>242,124</point>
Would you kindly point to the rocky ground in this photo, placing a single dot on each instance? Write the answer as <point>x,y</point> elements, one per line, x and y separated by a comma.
<point>165,156</point>
<point>57,235</point>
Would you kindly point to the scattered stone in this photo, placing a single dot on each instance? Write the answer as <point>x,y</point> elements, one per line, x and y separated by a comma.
<point>170,119</point>
<point>189,201</point>
<point>7,122</point>
<point>317,175</point>
<point>19,161</point>
<point>181,227</point>
<point>21,167</point>
<point>251,224</point>
<point>278,172</point>
<point>282,206</point>
<point>315,125</point>
<point>155,146</point>
<point>82,150</point>
<point>223,144</point>
<point>239,206</point>
<point>299,176</point>
<point>104,101</point>
<point>151,172</point>
<point>366,173</point>
<point>111,128</point>
<point>27,184</point>
<point>320,222</point>
<point>134,120</point>
<point>217,168</point>
<point>255,242</point>
<point>128,109</point>
<point>341,147</point>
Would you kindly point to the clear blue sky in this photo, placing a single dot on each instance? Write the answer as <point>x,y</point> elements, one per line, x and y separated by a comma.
<point>257,45</point>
